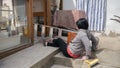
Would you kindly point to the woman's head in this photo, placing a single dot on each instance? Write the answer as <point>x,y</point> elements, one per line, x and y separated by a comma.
<point>82,23</point>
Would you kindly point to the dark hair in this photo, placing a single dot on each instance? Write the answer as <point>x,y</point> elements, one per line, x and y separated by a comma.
<point>82,23</point>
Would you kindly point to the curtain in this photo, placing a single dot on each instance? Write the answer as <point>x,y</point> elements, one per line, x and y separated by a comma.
<point>95,11</point>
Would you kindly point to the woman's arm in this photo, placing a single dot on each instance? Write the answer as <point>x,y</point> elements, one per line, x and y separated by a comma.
<point>95,41</point>
<point>87,45</point>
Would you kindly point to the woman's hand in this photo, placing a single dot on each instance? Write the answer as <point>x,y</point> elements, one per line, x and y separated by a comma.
<point>84,58</point>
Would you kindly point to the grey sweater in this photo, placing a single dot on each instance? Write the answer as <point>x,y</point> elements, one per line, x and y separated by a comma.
<point>82,42</point>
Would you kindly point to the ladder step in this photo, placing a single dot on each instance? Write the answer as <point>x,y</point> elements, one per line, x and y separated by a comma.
<point>59,30</point>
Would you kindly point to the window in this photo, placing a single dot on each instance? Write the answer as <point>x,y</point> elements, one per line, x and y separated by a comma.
<point>13,24</point>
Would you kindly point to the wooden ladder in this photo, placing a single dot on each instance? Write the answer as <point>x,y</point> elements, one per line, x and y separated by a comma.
<point>51,31</point>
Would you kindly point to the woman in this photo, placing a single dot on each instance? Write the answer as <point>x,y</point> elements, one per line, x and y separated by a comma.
<point>81,46</point>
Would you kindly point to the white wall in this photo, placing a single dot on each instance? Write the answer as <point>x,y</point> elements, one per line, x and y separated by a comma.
<point>69,4</point>
<point>113,8</point>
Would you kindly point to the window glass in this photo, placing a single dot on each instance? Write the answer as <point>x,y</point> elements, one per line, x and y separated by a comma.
<point>13,24</point>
